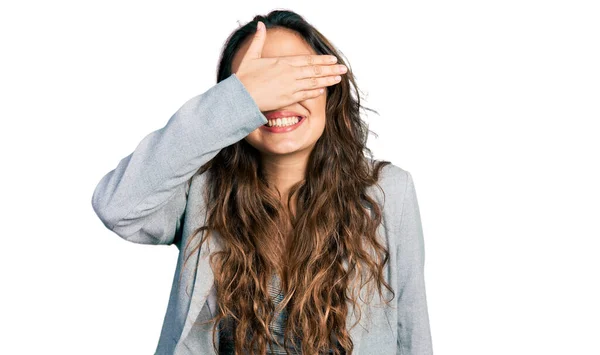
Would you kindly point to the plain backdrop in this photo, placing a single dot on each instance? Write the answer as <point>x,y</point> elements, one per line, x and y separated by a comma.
<point>493,106</point>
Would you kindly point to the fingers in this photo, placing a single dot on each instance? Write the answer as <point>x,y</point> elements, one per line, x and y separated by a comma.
<point>309,59</point>
<point>310,71</point>
<point>316,83</point>
<point>307,94</point>
<point>258,41</point>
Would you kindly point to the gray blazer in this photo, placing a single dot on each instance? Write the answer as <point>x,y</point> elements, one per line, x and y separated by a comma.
<point>153,196</point>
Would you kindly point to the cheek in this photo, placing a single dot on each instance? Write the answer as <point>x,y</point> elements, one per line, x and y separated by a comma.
<point>316,106</point>
<point>321,109</point>
<point>252,138</point>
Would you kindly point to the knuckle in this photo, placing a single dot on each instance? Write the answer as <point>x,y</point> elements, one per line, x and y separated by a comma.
<point>317,69</point>
<point>314,82</point>
<point>309,59</point>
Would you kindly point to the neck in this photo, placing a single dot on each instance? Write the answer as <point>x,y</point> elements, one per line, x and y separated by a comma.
<point>283,171</point>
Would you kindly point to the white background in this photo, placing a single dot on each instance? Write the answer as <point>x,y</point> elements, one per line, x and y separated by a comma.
<point>492,106</point>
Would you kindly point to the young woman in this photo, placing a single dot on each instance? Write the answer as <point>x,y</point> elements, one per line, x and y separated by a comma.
<point>285,227</point>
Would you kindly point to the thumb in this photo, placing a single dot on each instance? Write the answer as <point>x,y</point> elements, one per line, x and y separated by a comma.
<point>255,49</point>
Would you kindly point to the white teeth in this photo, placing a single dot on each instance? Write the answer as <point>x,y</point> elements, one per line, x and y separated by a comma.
<point>282,122</point>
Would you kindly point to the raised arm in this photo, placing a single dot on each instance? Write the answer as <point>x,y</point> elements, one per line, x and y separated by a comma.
<point>414,336</point>
<point>143,199</point>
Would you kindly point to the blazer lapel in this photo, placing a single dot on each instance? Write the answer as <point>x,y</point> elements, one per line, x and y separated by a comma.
<point>203,284</point>
<point>356,333</point>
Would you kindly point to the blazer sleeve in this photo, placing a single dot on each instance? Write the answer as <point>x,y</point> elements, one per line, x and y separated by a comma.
<point>144,198</point>
<point>414,336</point>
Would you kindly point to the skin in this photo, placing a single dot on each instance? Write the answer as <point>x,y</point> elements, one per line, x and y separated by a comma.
<point>285,155</point>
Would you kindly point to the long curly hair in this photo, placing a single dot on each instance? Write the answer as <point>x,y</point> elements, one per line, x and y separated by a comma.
<point>334,249</point>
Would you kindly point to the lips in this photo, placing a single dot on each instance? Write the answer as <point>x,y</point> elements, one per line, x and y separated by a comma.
<point>283,129</point>
<point>281,114</point>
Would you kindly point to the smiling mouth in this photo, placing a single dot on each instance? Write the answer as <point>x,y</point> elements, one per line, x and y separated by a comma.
<point>284,125</point>
<point>284,122</point>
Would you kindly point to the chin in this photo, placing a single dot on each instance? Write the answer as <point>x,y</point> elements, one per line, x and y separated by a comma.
<point>280,152</point>
<point>283,150</point>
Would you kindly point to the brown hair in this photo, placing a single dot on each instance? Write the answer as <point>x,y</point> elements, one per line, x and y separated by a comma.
<point>334,227</point>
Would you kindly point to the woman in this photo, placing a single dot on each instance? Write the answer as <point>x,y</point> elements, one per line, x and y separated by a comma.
<point>263,184</point>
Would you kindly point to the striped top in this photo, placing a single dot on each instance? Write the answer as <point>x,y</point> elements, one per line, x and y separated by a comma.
<point>277,327</point>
